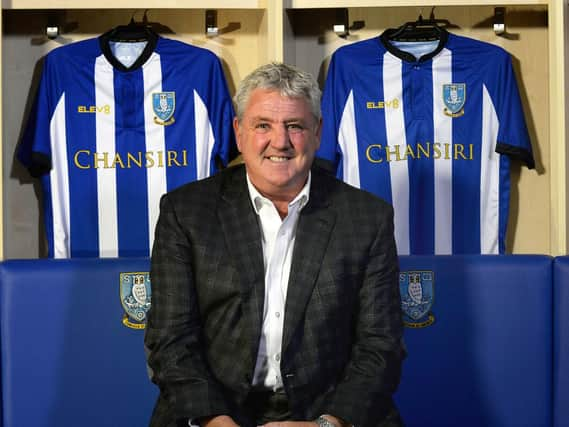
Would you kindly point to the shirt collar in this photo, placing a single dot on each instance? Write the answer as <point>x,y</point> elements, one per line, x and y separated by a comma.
<point>258,199</point>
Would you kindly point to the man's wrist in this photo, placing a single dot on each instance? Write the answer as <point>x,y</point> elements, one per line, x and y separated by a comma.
<point>328,420</point>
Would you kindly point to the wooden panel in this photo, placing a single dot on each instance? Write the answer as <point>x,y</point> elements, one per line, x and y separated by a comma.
<point>311,4</point>
<point>133,4</point>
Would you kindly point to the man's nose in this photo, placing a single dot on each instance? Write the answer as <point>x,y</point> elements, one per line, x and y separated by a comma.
<point>281,138</point>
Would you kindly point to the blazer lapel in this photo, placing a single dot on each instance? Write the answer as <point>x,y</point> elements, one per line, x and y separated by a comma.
<point>243,238</point>
<point>312,236</point>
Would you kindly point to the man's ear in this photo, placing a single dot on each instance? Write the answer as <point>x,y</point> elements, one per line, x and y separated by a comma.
<point>237,134</point>
<point>318,132</point>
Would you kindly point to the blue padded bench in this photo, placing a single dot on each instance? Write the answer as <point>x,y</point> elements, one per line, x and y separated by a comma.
<point>486,360</point>
<point>561,342</point>
<point>67,358</point>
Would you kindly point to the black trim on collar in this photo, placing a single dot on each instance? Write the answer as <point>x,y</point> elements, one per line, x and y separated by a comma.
<point>384,39</point>
<point>104,42</point>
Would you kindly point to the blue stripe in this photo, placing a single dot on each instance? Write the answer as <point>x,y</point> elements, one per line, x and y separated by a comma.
<point>504,208</point>
<point>132,209</point>
<point>466,173</point>
<point>417,87</point>
<point>372,136</point>
<point>83,203</point>
<point>180,136</point>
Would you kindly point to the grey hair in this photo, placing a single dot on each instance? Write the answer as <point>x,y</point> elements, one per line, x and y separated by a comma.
<point>290,81</point>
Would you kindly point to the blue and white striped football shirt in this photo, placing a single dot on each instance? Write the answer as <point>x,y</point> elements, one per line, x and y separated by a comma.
<point>109,140</point>
<point>433,136</point>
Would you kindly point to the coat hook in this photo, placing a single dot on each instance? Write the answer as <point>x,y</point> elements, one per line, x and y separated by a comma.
<point>499,21</point>
<point>211,28</point>
<point>52,28</point>
<point>341,24</point>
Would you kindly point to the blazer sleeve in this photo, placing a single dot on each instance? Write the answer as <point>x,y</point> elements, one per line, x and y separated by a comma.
<point>173,336</point>
<point>364,394</point>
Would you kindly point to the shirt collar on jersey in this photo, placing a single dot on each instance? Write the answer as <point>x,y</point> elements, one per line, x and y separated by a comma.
<point>384,39</point>
<point>259,200</point>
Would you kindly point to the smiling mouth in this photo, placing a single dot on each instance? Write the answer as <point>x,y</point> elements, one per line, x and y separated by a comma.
<point>278,159</point>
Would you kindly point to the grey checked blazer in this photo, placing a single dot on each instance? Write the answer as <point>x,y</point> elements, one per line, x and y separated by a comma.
<point>342,342</point>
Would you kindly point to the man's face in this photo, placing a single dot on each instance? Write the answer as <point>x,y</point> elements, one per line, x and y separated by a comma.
<point>277,138</point>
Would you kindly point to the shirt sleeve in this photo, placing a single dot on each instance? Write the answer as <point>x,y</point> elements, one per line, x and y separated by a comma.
<point>34,150</point>
<point>336,91</point>
<point>513,138</point>
<point>221,116</point>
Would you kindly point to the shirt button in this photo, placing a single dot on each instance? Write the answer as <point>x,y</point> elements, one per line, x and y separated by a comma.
<point>278,357</point>
<point>278,314</point>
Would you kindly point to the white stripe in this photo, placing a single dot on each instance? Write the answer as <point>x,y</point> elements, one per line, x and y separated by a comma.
<point>204,138</point>
<point>155,143</point>
<point>348,141</point>
<point>59,178</point>
<point>442,123</point>
<point>489,178</point>
<point>106,176</point>
<point>398,169</point>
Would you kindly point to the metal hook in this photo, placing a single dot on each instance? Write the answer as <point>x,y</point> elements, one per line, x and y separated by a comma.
<point>211,28</point>
<point>342,22</point>
<point>499,23</point>
<point>52,27</point>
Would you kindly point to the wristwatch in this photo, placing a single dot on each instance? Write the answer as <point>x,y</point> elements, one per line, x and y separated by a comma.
<point>324,422</point>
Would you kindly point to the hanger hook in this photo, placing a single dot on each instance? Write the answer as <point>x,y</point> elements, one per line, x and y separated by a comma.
<point>432,15</point>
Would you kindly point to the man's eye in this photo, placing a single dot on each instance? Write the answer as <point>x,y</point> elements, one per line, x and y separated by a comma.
<point>262,127</point>
<point>294,128</point>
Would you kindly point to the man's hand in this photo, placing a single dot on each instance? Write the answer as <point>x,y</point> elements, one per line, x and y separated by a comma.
<point>218,421</point>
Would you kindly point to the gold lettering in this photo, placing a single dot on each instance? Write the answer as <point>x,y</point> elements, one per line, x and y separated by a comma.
<point>447,151</point>
<point>370,149</point>
<point>373,105</point>
<point>172,158</point>
<point>149,159</point>
<point>141,159</point>
<point>97,159</point>
<point>421,149</point>
<point>471,149</point>
<point>118,160</point>
<point>389,153</point>
<point>137,161</point>
<point>409,152</point>
<point>94,109</point>
<point>459,151</point>
<point>437,150</point>
<point>76,159</point>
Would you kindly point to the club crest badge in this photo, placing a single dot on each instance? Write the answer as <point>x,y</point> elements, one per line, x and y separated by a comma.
<point>417,294</point>
<point>135,298</point>
<point>164,104</point>
<point>454,97</point>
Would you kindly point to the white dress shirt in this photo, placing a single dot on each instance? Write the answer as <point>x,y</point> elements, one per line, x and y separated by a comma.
<point>278,236</point>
